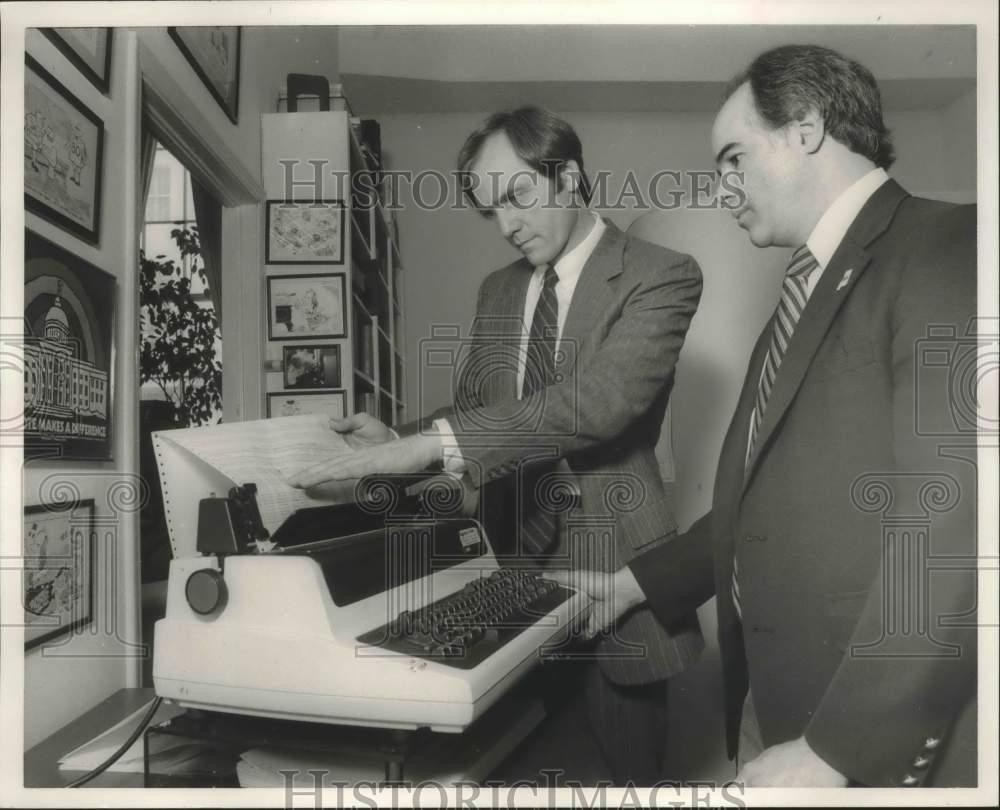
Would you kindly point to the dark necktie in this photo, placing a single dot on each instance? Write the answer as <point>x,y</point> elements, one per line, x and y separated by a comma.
<point>538,526</point>
<point>794,296</point>
<point>539,361</point>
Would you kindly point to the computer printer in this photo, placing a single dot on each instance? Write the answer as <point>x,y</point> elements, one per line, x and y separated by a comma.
<point>389,613</point>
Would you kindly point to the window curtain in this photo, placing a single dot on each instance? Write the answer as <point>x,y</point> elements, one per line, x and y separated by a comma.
<point>208,214</point>
<point>146,155</point>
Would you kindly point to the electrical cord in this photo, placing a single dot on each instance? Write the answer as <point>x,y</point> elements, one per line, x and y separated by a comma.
<point>121,749</point>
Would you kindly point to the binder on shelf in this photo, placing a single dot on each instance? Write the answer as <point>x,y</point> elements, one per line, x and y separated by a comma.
<point>366,358</point>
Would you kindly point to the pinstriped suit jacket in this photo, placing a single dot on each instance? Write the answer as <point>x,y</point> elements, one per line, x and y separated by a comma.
<point>625,327</point>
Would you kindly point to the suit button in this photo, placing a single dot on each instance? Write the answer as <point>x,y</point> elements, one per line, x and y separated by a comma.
<point>921,762</point>
<point>931,743</point>
<point>910,781</point>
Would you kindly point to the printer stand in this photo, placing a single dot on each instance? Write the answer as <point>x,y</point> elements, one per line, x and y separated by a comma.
<point>231,734</point>
<point>411,755</point>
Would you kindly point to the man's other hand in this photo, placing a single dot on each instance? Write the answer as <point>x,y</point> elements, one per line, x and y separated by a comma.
<point>790,764</point>
<point>362,430</point>
<point>409,455</point>
<point>613,595</point>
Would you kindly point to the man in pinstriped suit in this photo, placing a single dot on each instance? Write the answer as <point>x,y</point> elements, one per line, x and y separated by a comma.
<point>559,404</point>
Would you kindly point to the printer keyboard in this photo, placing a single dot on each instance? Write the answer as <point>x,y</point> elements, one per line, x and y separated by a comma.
<point>466,627</point>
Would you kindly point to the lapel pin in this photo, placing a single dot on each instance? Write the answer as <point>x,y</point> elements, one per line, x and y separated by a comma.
<point>844,279</point>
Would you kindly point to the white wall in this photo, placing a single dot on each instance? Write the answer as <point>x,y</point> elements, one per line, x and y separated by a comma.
<point>454,250</point>
<point>268,54</point>
<point>643,52</point>
<point>61,686</point>
<point>62,682</point>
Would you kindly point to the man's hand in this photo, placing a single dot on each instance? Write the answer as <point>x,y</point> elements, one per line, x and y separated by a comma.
<point>790,764</point>
<point>613,595</point>
<point>409,455</point>
<point>362,430</point>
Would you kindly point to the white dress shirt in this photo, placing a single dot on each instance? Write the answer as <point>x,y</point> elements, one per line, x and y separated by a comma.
<point>568,269</point>
<point>829,232</point>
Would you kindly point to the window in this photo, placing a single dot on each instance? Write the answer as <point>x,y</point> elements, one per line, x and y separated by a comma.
<point>169,205</point>
<point>176,306</point>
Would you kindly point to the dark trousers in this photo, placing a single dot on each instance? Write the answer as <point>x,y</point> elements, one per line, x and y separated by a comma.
<point>628,723</point>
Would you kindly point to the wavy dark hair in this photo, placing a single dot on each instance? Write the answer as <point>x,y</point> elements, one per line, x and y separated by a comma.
<point>540,138</point>
<point>788,81</point>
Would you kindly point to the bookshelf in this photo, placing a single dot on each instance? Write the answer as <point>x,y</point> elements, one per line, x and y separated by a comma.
<point>321,155</point>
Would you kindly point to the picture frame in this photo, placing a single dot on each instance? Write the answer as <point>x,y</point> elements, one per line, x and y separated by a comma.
<point>69,316</point>
<point>297,403</point>
<point>89,49</point>
<point>213,51</point>
<point>313,366</point>
<point>63,155</point>
<point>59,546</point>
<point>304,232</point>
<point>306,307</point>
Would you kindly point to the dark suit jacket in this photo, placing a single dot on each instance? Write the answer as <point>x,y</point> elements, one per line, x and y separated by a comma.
<point>624,329</point>
<point>858,473</point>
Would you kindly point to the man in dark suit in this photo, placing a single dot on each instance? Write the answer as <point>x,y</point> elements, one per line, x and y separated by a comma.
<point>558,407</point>
<point>844,477</point>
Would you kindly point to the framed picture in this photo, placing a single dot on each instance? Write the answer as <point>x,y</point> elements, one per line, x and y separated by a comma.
<point>301,232</point>
<point>214,53</point>
<point>312,366</point>
<point>89,49</point>
<point>58,577</point>
<point>63,155</point>
<point>306,307</point>
<point>69,308</point>
<point>296,404</point>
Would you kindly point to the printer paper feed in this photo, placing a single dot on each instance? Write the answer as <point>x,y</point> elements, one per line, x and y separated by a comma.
<point>267,452</point>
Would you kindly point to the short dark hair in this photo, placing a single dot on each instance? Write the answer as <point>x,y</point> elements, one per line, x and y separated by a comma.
<point>787,81</point>
<point>540,138</point>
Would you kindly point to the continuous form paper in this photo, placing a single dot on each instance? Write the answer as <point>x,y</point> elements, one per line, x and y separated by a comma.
<point>267,452</point>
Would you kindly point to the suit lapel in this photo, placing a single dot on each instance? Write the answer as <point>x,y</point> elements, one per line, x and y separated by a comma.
<point>846,266</point>
<point>505,314</point>
<point>590,298</point>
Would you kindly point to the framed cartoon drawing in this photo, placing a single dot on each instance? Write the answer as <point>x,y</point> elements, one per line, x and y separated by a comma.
<point>311,366</point>
<point>306,307</point>
<point>301,232</point>
<point>63,154</point>
<point>69,308</point>
<point>89,49</point>
<point>214,53</point>
<point>58,577</point>
<point>298,403</point>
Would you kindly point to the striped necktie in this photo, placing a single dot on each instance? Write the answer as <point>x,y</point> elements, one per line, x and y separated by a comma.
<point>539,527</point>
<point>539,363</point>
<point>794,295</point>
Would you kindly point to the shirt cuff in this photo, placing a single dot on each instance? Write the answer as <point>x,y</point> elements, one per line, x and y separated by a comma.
<point>450,453</point>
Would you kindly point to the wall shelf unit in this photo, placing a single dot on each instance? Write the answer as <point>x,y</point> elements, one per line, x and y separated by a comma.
<point>319,155</point>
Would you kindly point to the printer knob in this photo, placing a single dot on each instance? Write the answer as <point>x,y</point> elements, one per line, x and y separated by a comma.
<point>206,591</point>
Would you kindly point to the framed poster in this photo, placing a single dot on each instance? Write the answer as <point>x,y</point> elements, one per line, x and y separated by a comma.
<point>69,308</point>
<point>296,404</point>
<point>312,366</point>
<point>89,49</point>
<point>59,569</point>
<point>214,53</point>
<point>63,155</point>
<point>306,307</point>
<point>301,232</point>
